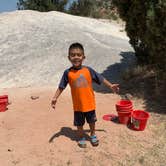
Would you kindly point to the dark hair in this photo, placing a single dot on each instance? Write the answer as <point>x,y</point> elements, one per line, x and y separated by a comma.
<point>76,45</point>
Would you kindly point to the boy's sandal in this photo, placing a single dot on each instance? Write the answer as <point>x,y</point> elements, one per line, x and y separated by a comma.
<point>94,140</point>
<point>82,143</point>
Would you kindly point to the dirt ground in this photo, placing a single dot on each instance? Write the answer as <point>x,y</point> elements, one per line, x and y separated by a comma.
<point>33,134</point>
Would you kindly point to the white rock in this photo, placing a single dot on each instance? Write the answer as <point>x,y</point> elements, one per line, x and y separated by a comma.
<point>34,46</point>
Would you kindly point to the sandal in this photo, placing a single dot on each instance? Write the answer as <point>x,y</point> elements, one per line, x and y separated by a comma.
<point>94,141</point>
<point>82,143</point>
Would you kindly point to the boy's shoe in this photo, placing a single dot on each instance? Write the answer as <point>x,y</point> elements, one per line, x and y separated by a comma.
<point>94,141</point>
<point>82,143</point>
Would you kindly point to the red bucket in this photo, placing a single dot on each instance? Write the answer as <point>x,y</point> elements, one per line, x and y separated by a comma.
<point>3,105</point>
<point>124,103</point>
<point>124,106</point>
<point>139,120</point>
<point>126,109</point>
<point>4,97</point>
<point>124,117</point>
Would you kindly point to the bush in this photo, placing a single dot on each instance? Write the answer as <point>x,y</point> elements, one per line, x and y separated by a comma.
<point>42,5</point>
<point>81,7</point>
<point>146,28</point>
<point>94,8</point>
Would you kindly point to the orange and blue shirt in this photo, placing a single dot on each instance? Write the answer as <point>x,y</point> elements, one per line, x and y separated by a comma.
<point>80,81</point>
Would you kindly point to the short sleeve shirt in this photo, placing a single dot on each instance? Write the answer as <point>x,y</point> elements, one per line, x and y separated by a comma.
<point>80,81</point>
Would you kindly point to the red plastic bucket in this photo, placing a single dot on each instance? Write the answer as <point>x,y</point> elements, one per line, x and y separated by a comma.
<point>126,109</point>
<point>4,97</point>
<point>124,106</point>
<point>3,105</point>
<point>139,119</point>
<point>124,117</point>
<point>124,103</point>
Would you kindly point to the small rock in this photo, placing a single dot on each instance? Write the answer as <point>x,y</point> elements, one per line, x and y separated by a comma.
<point>9,102</point>
<point>34,97</point>
<point>9,150</point>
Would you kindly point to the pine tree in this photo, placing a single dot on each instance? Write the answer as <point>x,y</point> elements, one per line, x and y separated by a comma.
<point>42,5</point>
<point>81,7</point>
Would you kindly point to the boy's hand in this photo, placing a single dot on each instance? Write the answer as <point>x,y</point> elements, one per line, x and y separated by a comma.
<point>115,88</point>
<point>53,103</point>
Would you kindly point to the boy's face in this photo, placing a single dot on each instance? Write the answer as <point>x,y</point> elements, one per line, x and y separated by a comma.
<point>76,57</point>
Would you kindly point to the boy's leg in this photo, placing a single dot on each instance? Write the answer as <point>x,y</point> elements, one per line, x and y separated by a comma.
<point>93,137</point>
<point>80,131</point>
<point>92,128</point>
<point>82,140</point>
<point>91,119</point>
<point>79,121</point>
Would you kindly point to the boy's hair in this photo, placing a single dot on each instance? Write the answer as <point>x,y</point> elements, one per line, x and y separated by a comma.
<point>76,45</point>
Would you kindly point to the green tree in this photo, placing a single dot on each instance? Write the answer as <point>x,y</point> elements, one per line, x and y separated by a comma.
<point>42,5</point>
<point>146,28</point>
<point>93,8</point>
<point>81,7</point>
<point>73,9</point>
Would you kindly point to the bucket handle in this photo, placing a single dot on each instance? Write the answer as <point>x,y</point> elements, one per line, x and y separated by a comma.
<point>131,119</point>
<point>126,96</point>
<point>134,122</point>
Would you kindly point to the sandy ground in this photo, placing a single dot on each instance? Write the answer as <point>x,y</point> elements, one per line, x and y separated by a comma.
<point>32,134</point>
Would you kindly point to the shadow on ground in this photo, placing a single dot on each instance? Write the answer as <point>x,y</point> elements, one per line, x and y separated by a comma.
<point>70,133</point>
<point>113,73</point>
<point>144,86</point>
<point>139,86</point>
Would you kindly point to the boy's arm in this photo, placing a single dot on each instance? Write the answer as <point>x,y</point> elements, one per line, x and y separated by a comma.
<point>113,87</point>
<point>62,85</point>
<point>55,98</point>
<point>98,78</point>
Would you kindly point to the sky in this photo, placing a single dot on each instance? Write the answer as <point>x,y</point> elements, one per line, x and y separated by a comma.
<point>9,5</point>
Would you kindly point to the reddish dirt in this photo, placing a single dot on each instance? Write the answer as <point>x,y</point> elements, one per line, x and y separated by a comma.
<point>33,134</point>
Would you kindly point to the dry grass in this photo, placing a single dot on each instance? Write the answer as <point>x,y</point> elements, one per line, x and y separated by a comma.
<point>141,82</point>
<point>153,156</point>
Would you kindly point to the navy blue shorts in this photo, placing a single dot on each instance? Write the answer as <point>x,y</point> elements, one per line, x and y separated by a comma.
<point>79,117</point>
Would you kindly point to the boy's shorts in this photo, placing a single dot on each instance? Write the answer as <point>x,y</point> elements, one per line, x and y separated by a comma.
<point>79,117</point>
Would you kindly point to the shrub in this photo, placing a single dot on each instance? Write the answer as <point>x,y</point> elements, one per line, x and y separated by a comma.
<point>146,28</point>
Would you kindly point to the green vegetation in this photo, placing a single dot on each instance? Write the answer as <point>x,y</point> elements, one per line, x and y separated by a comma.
<point>94,8</point>
<point>81,7</point>
<point>146,28</point>
<point>42,5</point>
<point>87,8</point>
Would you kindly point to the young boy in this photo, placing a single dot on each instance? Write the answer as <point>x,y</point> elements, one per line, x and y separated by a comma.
<point>80,79</point>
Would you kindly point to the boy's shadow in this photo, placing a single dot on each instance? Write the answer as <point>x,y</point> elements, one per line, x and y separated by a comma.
<point>70,133</point>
